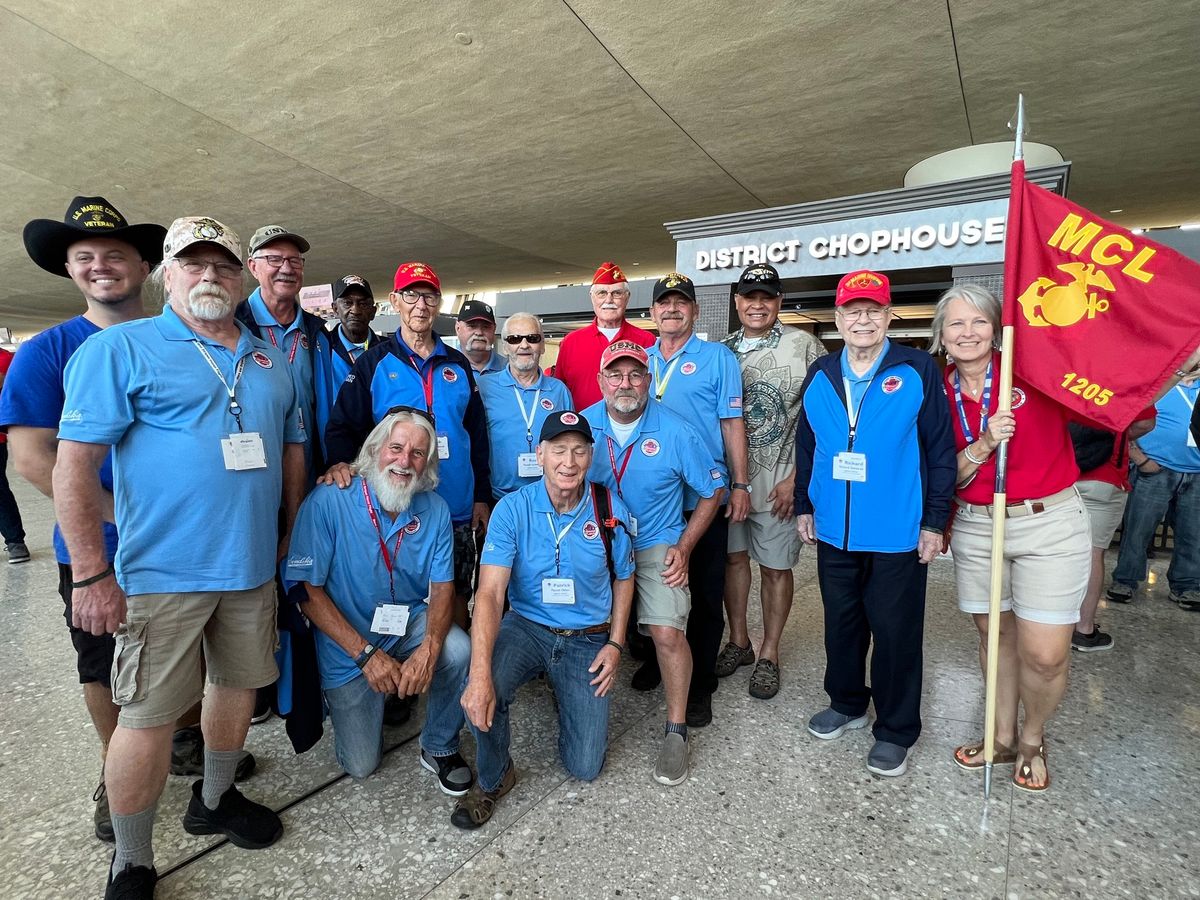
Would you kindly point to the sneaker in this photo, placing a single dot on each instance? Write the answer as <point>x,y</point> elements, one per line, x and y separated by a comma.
<point>453,774</point>
<point>732,658</point>
<point>132,883</point>
<point>699,711</point>
<point>262,706</point>
<point>477,807</point>
<point>890,760</point>
<point>101,816</point>
<point>647,677</point>
<point>829,723</point>
<point>1089,643</point>
<point>1120,593</point>
<point>1189,600</point>
<point>397,710</point>
<point>187,755</point>
<point>247,824</point>
<point>672,765</point>
<point>17,553</point>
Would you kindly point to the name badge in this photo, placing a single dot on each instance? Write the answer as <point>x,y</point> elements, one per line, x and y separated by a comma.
<point>527,466</point>
<point>558,590</point>
<point>850,467</point>
<point>1191,439</point>
<point>390,618</point>
<point>244,451</point>
<point>632,526</point>
<point>443,446</point>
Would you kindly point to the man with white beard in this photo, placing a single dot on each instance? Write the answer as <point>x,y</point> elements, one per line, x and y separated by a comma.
<point>197,410</point>
<point>377,563</point>
<point>475,329</point>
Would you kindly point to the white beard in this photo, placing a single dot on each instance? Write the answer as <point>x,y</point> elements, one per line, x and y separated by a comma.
<point>394,497</point>
<point>209,302</point>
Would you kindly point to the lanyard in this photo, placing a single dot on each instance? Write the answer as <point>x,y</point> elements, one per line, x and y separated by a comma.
<point>295,343</point>
<point>389,561</point>
<point>426,381</point>
<point>559,535</point>
<point>983,405</point>
<point>528,416</point>
<point>851,413</point>
<point>235,409</point>
<point>660,382</point>
<point>1182,393</point>
<point>612,461</point>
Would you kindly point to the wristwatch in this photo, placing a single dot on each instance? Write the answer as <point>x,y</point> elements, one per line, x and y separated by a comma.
<point>738,486</point>
<point>363,658</point>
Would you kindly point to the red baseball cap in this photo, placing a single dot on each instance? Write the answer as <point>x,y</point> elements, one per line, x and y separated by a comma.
<point>864,285</point>
<point>411,273</point>
<point>618,349</point>
<point>609,273</point>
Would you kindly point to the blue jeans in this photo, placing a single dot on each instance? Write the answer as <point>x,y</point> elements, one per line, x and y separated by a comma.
<point>523,651</point>
<point>1147,505</point>
<point>356,710</point>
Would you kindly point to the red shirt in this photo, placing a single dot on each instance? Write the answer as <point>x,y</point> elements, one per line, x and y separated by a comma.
<point>579,359</point>
<point>6,358</point>
<point>1041,459</point>
<point>1116,470</point>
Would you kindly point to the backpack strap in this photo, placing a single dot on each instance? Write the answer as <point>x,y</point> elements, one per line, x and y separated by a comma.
<point>603,510</point>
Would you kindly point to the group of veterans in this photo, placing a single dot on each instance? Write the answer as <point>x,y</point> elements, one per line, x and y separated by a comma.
<point>239,488</point>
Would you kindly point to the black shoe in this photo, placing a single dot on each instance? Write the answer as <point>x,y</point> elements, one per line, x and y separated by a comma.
<point>647,677</point>
<point>101,817</point>
<point>247,824</point>
<point>133,883</point>
<point>187,755</point>
<point>262,705</point>
<point>453,774</point>
<point>17,553</point>
<point>397,710</point>
<point>1090,643</point>
<point>699,711</point>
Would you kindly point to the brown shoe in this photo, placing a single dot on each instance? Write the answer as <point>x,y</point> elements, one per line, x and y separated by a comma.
<point>477,807</point>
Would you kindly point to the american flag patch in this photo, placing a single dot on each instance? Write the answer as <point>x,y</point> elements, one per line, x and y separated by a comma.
<point>735,402</point>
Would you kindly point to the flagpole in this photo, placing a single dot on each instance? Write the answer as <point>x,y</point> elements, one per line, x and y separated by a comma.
<point>999,504</point>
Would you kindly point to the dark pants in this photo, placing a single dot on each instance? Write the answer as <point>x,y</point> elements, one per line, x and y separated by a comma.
<point>880,597</point>
<point>10,516</point>
<point>706,621</point>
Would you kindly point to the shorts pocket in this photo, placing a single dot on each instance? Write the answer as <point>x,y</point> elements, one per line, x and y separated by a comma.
<point>129,674</point>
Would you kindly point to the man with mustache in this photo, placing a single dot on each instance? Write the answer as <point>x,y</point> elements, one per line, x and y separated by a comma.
<point>377,562</point>
<point>579,354</point>
<point>354,305</point>
<point>476,331</point>
<point>197,409</point>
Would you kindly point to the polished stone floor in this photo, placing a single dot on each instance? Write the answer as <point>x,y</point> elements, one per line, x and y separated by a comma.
<point>768,810</point>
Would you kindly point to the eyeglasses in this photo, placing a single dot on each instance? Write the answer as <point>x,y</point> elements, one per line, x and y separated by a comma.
<point>276,261</point>
<point>200,266</point>
<point>411,298</point>
<point>515,339</point>
<point>411,410</point>
<point>875,315</point>
<point>615,379</point>
<point>616,294</point>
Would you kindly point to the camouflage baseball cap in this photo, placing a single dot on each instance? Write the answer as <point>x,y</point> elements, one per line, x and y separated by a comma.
<point>190,230</point>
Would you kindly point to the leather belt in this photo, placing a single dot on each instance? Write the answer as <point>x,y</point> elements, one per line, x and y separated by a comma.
<point>1024,507</point>
<point>602,628</point>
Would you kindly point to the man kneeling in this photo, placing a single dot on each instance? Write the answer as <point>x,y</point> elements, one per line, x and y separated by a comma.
<point>567,568</point>
<point>376,559</point>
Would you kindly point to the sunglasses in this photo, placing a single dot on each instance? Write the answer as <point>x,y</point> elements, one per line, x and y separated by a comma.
<point>412,410</point>
<point>515,339</point>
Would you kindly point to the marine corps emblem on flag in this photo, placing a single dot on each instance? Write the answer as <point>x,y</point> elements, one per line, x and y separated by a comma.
<point>1049,302</point>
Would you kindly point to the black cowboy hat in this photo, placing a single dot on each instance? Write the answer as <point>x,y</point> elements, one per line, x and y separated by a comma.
<point>47,241</point>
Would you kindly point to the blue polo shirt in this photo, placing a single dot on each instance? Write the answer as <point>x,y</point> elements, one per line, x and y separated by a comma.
<point>336,547</point>
<point>858,384</point>
<point>496,363</point>
<point>33,397</point>
<point>293,344</point>
<point>519,538</point>
<point>1167,444</point>
<point>187,523</point>
<point>515,414</point>
<point>703,383</point>
<point>664,457</point>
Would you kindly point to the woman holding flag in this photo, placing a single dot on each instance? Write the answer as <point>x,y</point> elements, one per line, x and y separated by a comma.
<point>1047,549</point>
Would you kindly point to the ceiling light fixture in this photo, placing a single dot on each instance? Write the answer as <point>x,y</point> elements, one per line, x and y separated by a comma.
<point>1190,226</point>
<point>1116,210</point>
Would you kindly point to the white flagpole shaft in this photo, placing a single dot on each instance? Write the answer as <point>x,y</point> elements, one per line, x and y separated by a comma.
<point>1019,143</point>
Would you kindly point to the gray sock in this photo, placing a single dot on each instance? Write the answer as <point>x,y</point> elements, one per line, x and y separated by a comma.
<point>219,768</point>
<point>135,839</point>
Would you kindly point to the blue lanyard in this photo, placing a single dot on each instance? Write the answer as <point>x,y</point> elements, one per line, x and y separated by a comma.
<point>983,405</point>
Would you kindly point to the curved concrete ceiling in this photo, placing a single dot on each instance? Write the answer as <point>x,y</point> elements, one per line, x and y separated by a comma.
<point>520,144</point>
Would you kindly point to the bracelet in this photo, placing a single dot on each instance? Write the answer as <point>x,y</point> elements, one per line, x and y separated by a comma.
<point>620,649</point>
<point>971,457</point>
<point>94,579</point>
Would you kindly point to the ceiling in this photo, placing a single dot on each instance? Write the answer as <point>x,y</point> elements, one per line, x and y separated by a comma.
<point>519,144</point>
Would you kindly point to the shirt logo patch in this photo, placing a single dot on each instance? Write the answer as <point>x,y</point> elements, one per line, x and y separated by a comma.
<point>650,447</point>
<point>591,530</point>
<point>1018,398</point>
<point>892,383</point>
<point>262,359</point>
<point>715,473</point>
<point>304,341</point>
<point>547,403</point>
<point>414,526</point>
<point>71,415</point>
<point>688,368</point>
<point>569,418</point>
<point>300,562</point>
<point>393,375</point>
<point>449,376</point>
<point>735,402</point>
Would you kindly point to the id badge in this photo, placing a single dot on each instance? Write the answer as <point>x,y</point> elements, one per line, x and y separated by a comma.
<point>560,591</point>
<point>443,446</point>
<point>632,526</point>
<point>244,451</point>
<point>390,618</point>
<point>1191,439</point>
<point>850,467</point>
<point>527,466</point>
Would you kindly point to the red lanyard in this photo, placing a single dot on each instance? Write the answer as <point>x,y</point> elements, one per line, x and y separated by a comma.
<point>426,380</point>
<point>295,343</point>
<point>612,461</point>
<point>389,561</point>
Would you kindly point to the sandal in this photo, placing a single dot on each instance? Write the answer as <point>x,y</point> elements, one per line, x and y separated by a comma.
<point>1023,770</point>
<point>970,756</point>
<point>764,682</point>
<point>733,658</point>
<point>476,808</point>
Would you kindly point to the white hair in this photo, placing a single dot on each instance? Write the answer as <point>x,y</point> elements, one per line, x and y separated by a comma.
<point>368,456</point>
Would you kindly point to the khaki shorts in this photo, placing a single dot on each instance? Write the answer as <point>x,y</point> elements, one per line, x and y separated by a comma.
<point>771,543</point>
<point>1047,560</point>
<point>156,674</point>
<point>1105,505</point>
<point>658,603</point>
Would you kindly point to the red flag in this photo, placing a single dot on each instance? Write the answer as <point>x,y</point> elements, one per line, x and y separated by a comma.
<point>1101,316</point>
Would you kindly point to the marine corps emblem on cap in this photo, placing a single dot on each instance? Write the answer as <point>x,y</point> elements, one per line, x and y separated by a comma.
<point>410,273</point>
<point>618,349</point>
<point>98,216</point>
<point>609,273</point>
<point>759,277</point>
<point>355,279</point>
<point>190,230</point>
<point>569,418</point>
<point>863,285</point>
<point>676,283</point>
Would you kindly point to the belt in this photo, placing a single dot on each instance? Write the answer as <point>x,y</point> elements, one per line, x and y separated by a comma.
<point>1025,507</point>
<point>602,628</point>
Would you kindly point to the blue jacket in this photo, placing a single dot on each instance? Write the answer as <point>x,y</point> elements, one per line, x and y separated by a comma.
<point>904,431</point>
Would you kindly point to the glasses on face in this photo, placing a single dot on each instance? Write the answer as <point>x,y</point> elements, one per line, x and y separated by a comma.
<point>199,266</point>
<point>412,410</point>
<point>411,298</point>
<point>875,315</point>
<point>276,260</point>
<point>616,379</point>
<point>603,294</point>
<point>515,339</point>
